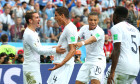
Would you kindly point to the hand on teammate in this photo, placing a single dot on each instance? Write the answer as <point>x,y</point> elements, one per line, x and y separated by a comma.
<point>56,65</point>
<point>78,45</point>
<point>111,79</point>
<point>60,50</point>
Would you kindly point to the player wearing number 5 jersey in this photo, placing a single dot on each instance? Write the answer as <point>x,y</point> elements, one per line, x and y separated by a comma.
<point>95,64</point>
<point>125,56</point>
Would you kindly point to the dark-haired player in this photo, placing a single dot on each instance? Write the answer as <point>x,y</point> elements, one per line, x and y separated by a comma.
<point>125,56</point>
<point>64,63</point>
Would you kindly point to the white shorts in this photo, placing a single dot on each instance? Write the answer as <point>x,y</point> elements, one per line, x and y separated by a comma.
<point>32,77</point>
<point>120,78</point>
<point>88,72</point>
<point>61,75</point>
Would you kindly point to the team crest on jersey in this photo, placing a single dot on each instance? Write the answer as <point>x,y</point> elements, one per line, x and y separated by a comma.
<point>115,36</point>
<point>97,35</point>
<point>72,39</point>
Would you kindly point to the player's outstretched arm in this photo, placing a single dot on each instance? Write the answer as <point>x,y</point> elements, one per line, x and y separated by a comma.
<point>67,58</point>
<point>86,42</point>
<point>114,56</point>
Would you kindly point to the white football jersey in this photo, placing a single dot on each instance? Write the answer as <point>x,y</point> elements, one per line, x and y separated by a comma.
<point>94,50</point>
<point>33,49</point>
<point>68,36</point>
<point>129,37</point>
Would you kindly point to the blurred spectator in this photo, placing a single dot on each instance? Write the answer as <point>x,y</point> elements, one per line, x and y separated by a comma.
<point>4,59</point>
<point>49,10</point>
<point>12,22</point>
<point>5,47</point>
<point>5,19</point>
<point>132,17</point>
<point>78,9</point>
<point>47,33</point>
<point>99,4</point>
<point>19,31</point>
<point>56,31</point>
<point>108,47</point>
<point>138,6</point>
<point>19,58</point>
<point>84,17</point>
<point>138,23</point>
<point>11,2</point>
<point>70,4</point>
<point>111,7</point>
<point>37,9</point>
<point>92,4</point>
<point>42,3</point>
<point>77,22</point>
<point>43,17</point>
<point>44,59</point>
<point>77,57</point>
<point>30,5</point>
<point>122,3</point>
<point>19,10</point>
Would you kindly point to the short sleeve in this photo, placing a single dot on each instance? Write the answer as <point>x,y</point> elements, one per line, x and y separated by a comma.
<point>116,34</point>
<point>72,36</point>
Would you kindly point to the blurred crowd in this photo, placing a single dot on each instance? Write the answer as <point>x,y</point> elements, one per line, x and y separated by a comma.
<point>13,24</point>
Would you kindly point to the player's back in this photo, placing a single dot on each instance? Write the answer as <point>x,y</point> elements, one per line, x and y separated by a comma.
<point>128,35</point>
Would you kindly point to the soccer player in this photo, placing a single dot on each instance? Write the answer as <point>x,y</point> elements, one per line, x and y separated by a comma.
<point>93,68</point>
<point>64,63</point>
<point>125,56</point>
<point>33,49</point>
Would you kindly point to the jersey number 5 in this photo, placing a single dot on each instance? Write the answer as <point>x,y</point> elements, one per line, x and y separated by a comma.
<point>132,48</point>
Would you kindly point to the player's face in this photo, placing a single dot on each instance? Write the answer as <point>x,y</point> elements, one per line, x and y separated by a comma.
<point>36,19</point>
<point>93,21</point>
<point>59,19</point>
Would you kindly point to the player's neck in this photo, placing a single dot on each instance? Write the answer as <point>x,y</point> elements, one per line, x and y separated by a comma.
<point>66,22</point>
<point>32,27</point>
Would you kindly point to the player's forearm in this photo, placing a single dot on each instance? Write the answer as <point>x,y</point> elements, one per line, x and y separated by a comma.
<point>69,56</point>
<point>90,40</point>
<point>115,57</point>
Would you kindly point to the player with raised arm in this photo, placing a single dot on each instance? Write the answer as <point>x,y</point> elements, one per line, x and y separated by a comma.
<point>94,66</point>
<point>64,63</point>
<point>125,56</point>
<point>33,49</point>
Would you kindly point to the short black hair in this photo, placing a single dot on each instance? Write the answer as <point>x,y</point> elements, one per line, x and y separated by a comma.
<point>23,2</point>
<point>63,10</point>
<point>93,13</point>
<point>29,16</point>
<point>4,38</point>
<point>121,13</point>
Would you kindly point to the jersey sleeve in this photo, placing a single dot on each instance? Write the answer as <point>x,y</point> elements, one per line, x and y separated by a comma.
<point>72,36</point>
<point>35,44</point>
<point>116,34</point>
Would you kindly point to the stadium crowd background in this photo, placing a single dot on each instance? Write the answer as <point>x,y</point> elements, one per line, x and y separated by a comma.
<point>13,24</point>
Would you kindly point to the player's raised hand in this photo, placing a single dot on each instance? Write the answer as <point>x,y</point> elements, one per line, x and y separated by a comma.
<point>60,50</point>
<point>111,79</point>
<point>56,65</point>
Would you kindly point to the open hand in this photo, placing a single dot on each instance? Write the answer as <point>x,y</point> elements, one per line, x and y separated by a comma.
<point>56,65</point>
<point>60,50</point>
<point>111,79</point>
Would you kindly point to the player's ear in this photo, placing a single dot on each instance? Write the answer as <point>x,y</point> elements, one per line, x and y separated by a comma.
<point>30,21</point>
